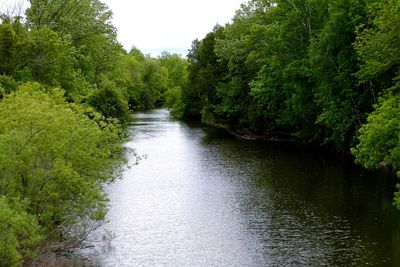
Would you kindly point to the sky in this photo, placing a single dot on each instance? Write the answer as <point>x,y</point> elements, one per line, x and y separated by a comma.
<point>154,26</point>
<point>157,25</point>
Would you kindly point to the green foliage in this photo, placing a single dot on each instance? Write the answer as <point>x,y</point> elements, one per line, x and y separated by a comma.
<point>19,233</point>
<point>177,68</point>
<point>341,101</point>
<point>379,141</point>
<point>173,100</point>
<point>79,20</point>
<point>377,43</point>
<point>289,66</point>
<point>91,50</point>
<point>110,101</point>
<point>44,57</point>
<point>48,58</point>
<point>7,85</point>
<point>205,73</point>
<point>54,156</point>
<point>155,80</point>
<point>136,53</point>
<point>267,44</point>
<point>128,76</point>
<point>8,44</point>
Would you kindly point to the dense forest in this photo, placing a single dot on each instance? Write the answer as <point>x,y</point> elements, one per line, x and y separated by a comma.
<point>66,88</point>
<point>324,72</point>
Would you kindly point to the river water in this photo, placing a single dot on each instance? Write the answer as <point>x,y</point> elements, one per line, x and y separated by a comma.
<point>203,198</point>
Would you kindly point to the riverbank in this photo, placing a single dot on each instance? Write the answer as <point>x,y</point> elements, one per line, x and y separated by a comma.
<point>247,134</point>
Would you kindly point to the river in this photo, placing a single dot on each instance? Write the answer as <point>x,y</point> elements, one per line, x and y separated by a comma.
<point>203,198</point>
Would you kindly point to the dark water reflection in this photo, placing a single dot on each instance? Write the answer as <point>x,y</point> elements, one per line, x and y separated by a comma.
<point>202,198</point>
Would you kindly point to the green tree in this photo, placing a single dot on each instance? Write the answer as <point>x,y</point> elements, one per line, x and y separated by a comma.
<point>177,80</point>
<point>269,82</point>
<point>377,46</point>
<point>56,156</point>
<point>128,75</point>
<point>343,103</point>
<point>86,24</point>
<point>8,46</point>
<point>79,20</point>
<point>44,57</point>
<point>155,80</point>
<point>110,101</point>
<point>177,69</point>
<point>47,58</point>
<point>205,74</point>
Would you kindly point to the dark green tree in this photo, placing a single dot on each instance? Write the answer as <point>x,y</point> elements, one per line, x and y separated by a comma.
<point>8,47</point>
<point>342,101</point>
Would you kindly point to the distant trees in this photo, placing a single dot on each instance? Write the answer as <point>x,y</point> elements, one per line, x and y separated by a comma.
<point>177,69</point>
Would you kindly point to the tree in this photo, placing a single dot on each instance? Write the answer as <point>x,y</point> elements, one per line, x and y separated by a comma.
<point>127,76</point>
<point>43,57</point>
<point>177,68</point>
<point>86,24</point>
<point>79,20</point>
<point>47,58</point>
<point>110,101</point>
<point>55,156</point>
<point>205,73</point>
<point>342,102</point>
<point>155,80</point>
<point>8,44</point>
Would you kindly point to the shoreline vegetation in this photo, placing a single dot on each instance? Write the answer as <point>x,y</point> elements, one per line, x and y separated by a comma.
<point>321,72</point>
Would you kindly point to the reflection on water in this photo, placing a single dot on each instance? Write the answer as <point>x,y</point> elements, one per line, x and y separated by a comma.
<point>202,198</point>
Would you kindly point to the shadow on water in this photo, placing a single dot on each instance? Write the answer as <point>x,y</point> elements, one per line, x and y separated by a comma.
<point>317,188</point>
<point>205,198</point>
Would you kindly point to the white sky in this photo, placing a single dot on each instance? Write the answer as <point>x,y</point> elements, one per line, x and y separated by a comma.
<point>154,26</point>
<point>157,25</point>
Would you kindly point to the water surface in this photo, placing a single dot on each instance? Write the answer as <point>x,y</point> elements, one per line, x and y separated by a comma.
<point>203,198</point>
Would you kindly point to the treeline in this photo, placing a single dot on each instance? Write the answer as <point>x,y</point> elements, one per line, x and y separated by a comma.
<point>66,87</point>
<point>323,71</point>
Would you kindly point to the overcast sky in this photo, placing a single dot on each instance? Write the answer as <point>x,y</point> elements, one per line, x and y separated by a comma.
<point>154,26</point>
<point>157,25</point>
